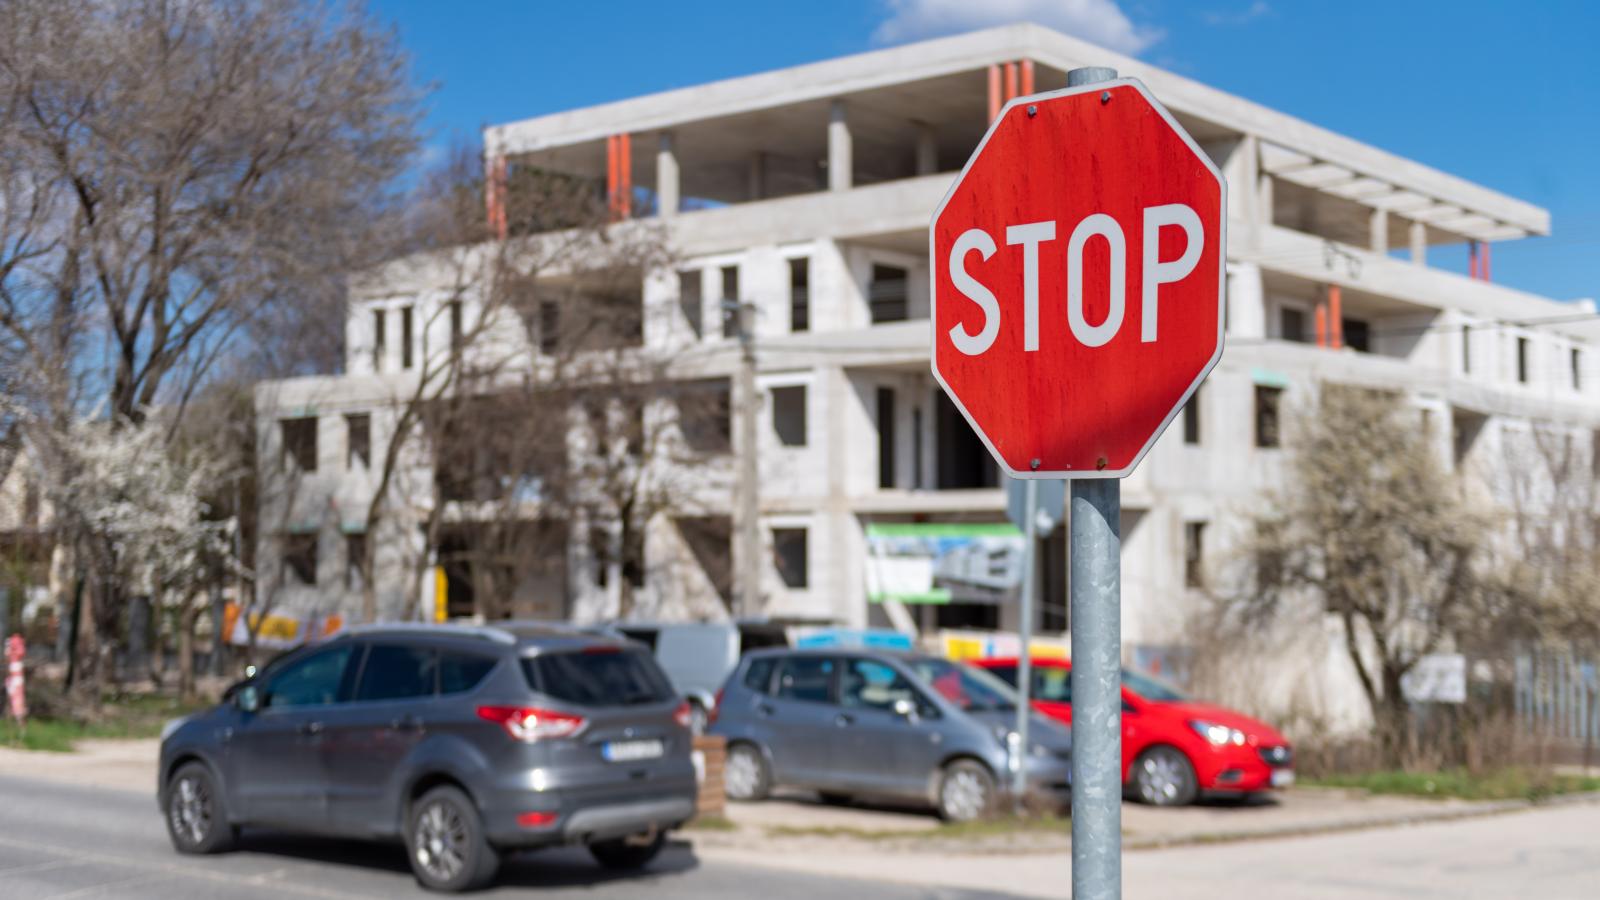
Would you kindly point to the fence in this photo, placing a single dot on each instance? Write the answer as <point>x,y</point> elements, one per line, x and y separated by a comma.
<point>1557,697</point>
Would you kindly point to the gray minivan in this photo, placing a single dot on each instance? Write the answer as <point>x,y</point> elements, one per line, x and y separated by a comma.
<point>463,742</point>
<point>857,723</point>
<point>698,656</point>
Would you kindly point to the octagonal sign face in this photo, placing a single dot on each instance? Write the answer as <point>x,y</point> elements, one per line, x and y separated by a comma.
<point>1077,278</point>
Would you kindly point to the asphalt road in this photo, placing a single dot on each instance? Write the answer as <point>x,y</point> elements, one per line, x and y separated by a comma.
<point>64,841</point>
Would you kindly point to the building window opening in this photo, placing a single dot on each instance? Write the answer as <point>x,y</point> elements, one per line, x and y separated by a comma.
<point>1466,349</point>
<point>690,301</point>
<point>1191,419</point>
<point>886,438</point>
<point>800,294</point>
<point>1577,369</point>
<point>887,294</point>
<point>300,558</point>
<point>358,439</point>
<point>1194,534</point>
<point>380,339</point>
<point>405,337</point>
<point>789,552</point>
<point>730,301</point>
<point>456,334</point>
<point>1268,400</point>
<point>299,443</point>
<point>789,415</point>
<point>355,557</point>
<point>1522,360</point>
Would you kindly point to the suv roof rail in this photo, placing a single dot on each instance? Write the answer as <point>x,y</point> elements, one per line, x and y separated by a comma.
<point>486,632</point>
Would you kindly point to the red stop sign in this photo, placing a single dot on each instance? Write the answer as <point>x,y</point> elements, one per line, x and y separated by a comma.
<point>1077,272</point>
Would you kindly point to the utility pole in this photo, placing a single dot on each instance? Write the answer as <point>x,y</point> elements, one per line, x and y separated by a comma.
<point>747,554</point>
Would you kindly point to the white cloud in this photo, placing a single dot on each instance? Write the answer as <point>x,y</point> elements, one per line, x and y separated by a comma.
<point>1100,21</point>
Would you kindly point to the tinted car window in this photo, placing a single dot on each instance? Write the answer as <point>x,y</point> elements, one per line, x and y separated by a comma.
<point>970,689</point>
<point>866,684</point>
<point>312,681</point>
<point>460,672</point>
<point>598,678</point>
<point>396,672</point>
<point>758,677</point>
<point>806,678</point>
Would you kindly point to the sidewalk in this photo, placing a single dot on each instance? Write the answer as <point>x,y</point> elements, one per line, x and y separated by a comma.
<point>119,765</point>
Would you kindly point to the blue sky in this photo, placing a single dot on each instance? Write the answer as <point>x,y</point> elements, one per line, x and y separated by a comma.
<point>1430,81</point>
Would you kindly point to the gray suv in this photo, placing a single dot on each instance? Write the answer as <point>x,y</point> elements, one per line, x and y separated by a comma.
<point>881,724</point>
<point>463,742</point>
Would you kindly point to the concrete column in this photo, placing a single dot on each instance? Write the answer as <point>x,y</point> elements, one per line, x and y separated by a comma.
<point>927,149</point>
<point>1380,231</point>
<point>1263,202</point>
<point>841,157</point>
<point>1419,243</point>
<point>758,175</point>
<point>667,188</point>
<point>1249,151</point>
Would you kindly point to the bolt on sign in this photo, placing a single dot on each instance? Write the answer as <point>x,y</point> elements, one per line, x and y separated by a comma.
<point>1077,267</point>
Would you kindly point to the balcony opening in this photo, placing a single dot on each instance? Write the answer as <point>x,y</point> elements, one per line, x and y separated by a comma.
<point>1357,334</point>
<point>1191,419</point>
<point>1577,369</point>
<point>964,462</point>
<point>358,440</point>
<point>355,555</point>
<point>300,559</point>
<point>1194,534</point>
<point>380,338</point>
<point>710,541</point>
<point>1292,325</point>
<point>407,313</point>
<point>1522,360</point>
<point>705,413</point>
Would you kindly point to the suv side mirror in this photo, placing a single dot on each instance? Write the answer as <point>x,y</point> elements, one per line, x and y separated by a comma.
<point>248,698</point>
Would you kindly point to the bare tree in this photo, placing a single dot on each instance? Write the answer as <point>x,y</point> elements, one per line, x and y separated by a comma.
<point>179,173</point>
<point>1370,528</point>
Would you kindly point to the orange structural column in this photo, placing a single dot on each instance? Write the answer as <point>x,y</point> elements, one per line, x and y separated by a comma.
<point>625,176</point>
<point>1027,76</point>
<point>1322,324</point>
<point>1335,318</point>
<point>494,197</point>
<point>1011,81</point>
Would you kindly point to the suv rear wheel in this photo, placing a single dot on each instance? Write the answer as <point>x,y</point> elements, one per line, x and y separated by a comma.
<point>629,852</point>
<point>745,774</point>
<point>197,819</point>
<point>446,843</point>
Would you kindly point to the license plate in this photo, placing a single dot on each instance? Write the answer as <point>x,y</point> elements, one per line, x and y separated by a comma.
<point>631,751</point>
<point>1282,778</point>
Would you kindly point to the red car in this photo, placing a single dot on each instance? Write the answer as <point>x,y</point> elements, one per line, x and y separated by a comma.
<point>1172,748</point>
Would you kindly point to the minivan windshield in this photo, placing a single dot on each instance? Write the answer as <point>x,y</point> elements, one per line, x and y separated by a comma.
<point>598,677</point>
<point>970,689</point>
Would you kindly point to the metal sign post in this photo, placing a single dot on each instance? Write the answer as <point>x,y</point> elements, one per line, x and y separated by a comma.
<point>1082,390</point>
<point>1019,752</point>
<point>1095,589</point>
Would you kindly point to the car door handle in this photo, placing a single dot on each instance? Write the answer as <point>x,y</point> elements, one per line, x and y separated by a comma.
<point>844,719</point>
<point>765,709</point>
<point>311,729</point>
<point>406,723</point>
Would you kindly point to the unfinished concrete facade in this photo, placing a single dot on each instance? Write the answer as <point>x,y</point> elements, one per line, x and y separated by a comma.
<point>806,193</point>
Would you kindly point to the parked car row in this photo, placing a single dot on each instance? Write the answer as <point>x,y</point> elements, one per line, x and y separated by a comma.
<point>467,742</point>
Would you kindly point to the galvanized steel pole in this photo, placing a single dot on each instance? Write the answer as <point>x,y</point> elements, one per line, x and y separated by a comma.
<point>1096,623</point>
<point>1019,750</point>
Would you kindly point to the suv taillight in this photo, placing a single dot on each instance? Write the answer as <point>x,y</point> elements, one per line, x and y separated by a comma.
<point>529,724</point>
<point>716,707</point>
<point>683,714</point>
